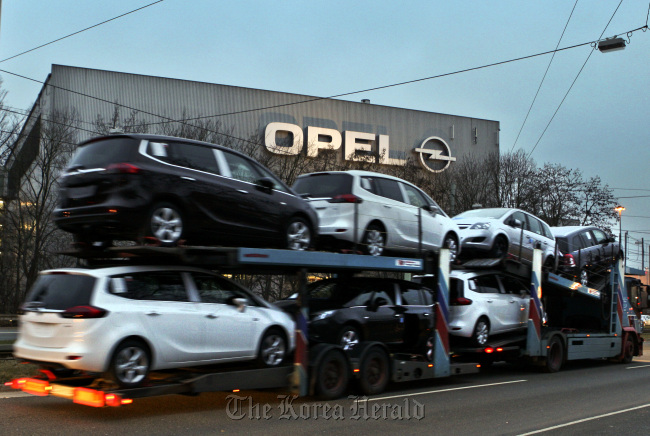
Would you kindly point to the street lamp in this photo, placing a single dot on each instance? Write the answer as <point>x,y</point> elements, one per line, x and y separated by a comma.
<point>620,210</point>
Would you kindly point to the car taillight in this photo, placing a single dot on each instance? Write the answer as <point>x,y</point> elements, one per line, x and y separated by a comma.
<point>122,168</point>
<point>569,260</point>
<point>461,301</point>
<point>84,312</point>
<point>345,198</point>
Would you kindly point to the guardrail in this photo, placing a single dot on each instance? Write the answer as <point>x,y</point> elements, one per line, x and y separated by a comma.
<point>8,317</point>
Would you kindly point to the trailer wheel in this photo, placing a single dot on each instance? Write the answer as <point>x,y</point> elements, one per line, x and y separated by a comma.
<point>374,372</point>
<point>332,375</point>
<point>554,355</point>
<point>628,350</point>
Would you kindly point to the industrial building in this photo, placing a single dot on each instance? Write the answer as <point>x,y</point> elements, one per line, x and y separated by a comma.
<point>284,123</point>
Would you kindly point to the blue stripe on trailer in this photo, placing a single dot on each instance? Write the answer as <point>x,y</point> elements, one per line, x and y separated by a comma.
<point>324,260</point>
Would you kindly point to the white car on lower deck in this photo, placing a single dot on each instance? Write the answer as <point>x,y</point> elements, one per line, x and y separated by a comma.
<point>126,321</point>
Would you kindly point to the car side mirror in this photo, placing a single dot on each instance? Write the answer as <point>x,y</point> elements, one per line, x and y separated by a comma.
<point>266,184</point>
<point>514,222</point>
<point>374,305</point>
<point>427,207</point>
<point>240,303</point>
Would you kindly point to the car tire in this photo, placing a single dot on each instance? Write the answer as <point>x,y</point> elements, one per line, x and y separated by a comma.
<point>374,240</point>
<point>451,243</point>
<point>298,234</point>
<point>481,332</point>
<point>349,337</point>
<point>273,349</point>
<point>166,224</point>
<point>130,364</point>
<point>499,248</point>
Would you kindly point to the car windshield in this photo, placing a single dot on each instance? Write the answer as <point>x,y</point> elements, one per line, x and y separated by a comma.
<point>98,154</point>
<point>495,213</point>
<point>324,185</point>
<point>60,291</point>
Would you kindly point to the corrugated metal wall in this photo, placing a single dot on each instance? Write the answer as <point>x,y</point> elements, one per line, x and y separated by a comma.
<point>171,98</point>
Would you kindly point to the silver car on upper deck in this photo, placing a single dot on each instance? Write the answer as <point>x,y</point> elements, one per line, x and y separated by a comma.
<point>501,232</point>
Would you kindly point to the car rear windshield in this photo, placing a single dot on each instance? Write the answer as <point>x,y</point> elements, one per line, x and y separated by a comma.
<point>101,153</point>
<point>324,185</point>
<point>60,291</point>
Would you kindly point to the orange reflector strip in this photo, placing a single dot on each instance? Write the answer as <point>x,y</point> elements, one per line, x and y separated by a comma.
<point>499,349</point>
<point>113,400</point>
<point>489,350</point>
<point>430,365</point>
<point>35,386</point>
<point>356,370</point>
<point>126,401</point>
<point>235,390</point>
<point>88,397</point>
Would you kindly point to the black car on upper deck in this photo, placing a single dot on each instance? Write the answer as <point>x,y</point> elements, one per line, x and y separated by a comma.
<point>587,253</point>
<point>172,190</point>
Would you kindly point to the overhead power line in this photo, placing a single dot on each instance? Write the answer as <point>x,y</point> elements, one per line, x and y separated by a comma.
<point>80,31</point>
<point>544,77</point>
<point>572,83</point>
<point>185,121</point>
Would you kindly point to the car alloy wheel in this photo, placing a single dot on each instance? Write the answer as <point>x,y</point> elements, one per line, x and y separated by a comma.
<point>374,240</point>
<point>298,235</point>
<point>481,332</point>
<point>349,338</point>
<point>452,246</point>
<point>130,364</point>
<point>584,277</point>
<point>273,349</point>
<point>166,224</point>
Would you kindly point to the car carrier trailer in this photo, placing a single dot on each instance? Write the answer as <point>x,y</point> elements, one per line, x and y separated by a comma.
<point>326,370</point>
<point>568,321</point>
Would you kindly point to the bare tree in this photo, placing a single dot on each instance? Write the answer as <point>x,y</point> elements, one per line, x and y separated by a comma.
<point>31,241</point>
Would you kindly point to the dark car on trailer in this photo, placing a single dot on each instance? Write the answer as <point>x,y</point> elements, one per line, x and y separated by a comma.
<point>170,190</point>
<point>587,253</point>
<point>347,310</point>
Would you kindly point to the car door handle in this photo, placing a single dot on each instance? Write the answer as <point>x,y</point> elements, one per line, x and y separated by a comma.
<point>212,316</point>
<point>242,191</point>
<point>489,301</point>
<point>191,179</point>
<point>387,206</point>
<point>153,313</point>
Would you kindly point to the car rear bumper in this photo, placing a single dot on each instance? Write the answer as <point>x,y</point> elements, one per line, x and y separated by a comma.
<point>75,357</point>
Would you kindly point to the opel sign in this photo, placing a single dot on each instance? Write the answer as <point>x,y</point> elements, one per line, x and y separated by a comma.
<point>434,153</point>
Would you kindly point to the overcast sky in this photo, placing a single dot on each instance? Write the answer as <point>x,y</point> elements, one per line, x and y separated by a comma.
<point>325,48</point>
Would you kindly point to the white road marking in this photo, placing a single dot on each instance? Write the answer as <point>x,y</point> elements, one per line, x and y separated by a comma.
<point>585,420</point>
<point>17,394</point>
<point>635,367</point>
<point>442,390</point>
